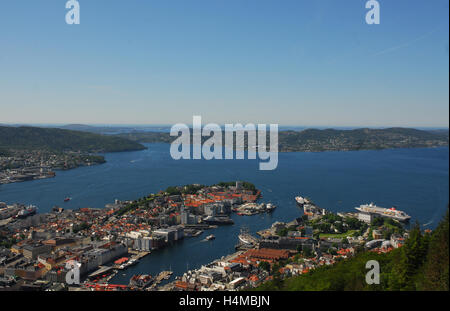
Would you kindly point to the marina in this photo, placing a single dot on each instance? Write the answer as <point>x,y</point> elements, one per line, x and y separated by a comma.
<point>219,148</point>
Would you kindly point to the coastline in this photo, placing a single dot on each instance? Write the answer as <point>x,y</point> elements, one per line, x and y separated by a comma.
<point>194,252</point>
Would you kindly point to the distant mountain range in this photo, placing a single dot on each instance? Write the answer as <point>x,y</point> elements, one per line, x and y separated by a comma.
<point>86,138</point>
<point>115,129</point>
<point>361,139</point>
<point>333,140</point>
<point>60,140</point>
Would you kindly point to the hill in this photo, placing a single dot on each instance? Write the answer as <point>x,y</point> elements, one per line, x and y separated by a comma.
<point>316,140</point>
<point>148,137</point>
<point>360,139</point>
<point>59,140</point>
<point>421,264</point>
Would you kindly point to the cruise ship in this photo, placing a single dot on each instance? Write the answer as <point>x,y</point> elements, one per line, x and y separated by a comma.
<point>384,212</point>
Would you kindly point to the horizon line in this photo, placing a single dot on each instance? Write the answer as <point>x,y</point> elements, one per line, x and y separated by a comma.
<point>170,125</point>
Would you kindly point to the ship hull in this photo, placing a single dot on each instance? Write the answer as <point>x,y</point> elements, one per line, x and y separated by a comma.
<point>26,215</point>
<point>383,214</point>
<point>244,241</point>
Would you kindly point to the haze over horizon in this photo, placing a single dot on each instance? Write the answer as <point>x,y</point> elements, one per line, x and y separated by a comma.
<point>282,127</point>
<point>299,63</point>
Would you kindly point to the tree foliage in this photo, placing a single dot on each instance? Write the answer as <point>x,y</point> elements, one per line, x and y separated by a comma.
<point>421,264</point>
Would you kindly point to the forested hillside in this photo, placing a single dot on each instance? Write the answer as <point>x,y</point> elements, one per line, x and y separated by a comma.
<point>421,264</point>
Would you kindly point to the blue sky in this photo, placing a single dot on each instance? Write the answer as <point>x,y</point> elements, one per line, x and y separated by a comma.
<point>292,62</point>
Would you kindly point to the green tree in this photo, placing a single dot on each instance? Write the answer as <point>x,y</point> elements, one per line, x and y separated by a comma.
<point>264,265</point>
<point>436,268</point>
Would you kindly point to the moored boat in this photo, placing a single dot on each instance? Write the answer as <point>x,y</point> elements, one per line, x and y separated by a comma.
<point>27,211</point>
<point>392,212</point>
<point>210,237</point>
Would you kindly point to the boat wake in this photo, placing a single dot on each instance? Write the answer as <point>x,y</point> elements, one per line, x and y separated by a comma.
<point>428,223</point>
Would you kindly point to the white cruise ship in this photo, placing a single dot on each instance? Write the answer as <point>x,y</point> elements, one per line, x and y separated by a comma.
<point>384,212</point>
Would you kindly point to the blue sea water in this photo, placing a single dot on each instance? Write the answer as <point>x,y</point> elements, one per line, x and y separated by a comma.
<point>414,180</point>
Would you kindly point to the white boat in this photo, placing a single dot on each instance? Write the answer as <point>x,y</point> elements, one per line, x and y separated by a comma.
<point>210,237</point>
<point>270,207</point>
<point>383,212</point>
<point>130,263</point>
<point>246,238</point>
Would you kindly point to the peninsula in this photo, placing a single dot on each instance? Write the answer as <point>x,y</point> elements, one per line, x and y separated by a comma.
<point>28,153</point>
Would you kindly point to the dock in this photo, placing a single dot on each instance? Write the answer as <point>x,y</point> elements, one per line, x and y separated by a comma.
<point>103,270</point>
<point>137,254</point>
<point>164,275</point>
<point>134,259</point>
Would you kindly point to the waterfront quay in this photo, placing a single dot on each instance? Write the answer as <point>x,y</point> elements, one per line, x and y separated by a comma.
<point>35,250</point>
<point>290,249</point>
<point>20,165</point>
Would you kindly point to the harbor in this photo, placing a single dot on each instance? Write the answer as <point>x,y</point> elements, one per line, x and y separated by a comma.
<point>294,248</point>
<point>117,179</point>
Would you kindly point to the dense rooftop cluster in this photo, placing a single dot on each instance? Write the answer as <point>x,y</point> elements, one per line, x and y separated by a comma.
<point>44,243</point>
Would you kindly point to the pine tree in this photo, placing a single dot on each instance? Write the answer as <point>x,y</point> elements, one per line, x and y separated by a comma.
<point>436,270</point>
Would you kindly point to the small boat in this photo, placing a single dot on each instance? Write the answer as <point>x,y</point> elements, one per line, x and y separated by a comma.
<point>67,199</point>
<point>210,237</point>
<point>270,207</point>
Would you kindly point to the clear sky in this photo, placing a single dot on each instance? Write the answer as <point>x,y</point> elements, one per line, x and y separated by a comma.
<point>292,62</point>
